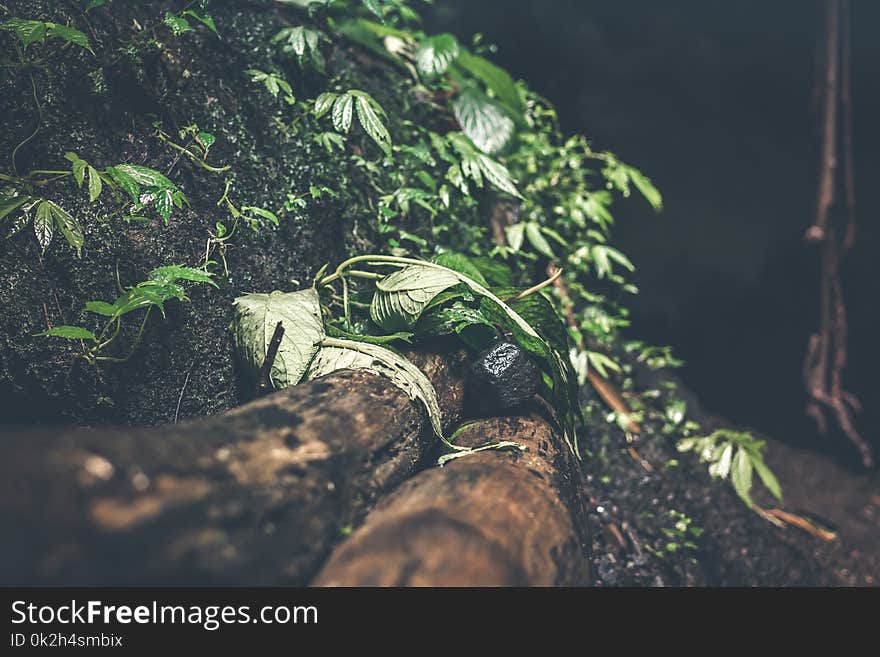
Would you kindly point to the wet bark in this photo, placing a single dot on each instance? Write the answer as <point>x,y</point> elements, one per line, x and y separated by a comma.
<point>490,519</point>
<point>258,495</point>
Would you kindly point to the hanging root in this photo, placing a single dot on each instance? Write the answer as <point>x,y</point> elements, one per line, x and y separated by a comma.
<point>827,350</point>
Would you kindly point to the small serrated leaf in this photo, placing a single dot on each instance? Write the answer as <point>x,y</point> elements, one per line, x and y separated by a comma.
<point>484,122</point>
<point>324,102</point>
<point>342,113</point>
<point>95,184</point>
<point>44,224</point>
<point>436,53</point>
<point>70,227</point>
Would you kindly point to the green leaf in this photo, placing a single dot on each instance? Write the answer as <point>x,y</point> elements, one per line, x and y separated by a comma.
<point>204,19</point>
<point>256,316</point>
<point>767,476</point>
<point>475,165</point>
<point>78,167</point>
<point>741,476</point>
<point>177,24</point>
<point>721,467</point>
<point>537,240</point>
<point>484,122</point>
<point>368,117</point>
<point>261,212</point>
<point>143,176</point>
<point>69,332</point>
<point>206,139</point>
<point>70,35</point>
<point>602,255</point>
<point>435,54</point>
<point>646,188</point>
<point>101,308</point>
<point>70,227</point>
<point>336,354</point>
<point>342,112</point>
<point>540,314</point>
<point>164,202</point>
<point>128,184</point>
<point>451,319</point>
<point>44,224</point>
<point>462,264</point>
<point>601,363</point>
<point>95,184</point>
<point>497,175</point>
<point>324,102</point>
<point>375,8</point>
<point>27,31</point>
<point>11,204</point>
<point>516,235</point>
<point>497,273</point>
<point>401,296</point>
<point>173,273</point>
<point>495,78</point>
<point>294,39</point>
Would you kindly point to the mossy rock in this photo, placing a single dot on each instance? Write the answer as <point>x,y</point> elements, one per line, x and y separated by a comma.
<point>103,107</point>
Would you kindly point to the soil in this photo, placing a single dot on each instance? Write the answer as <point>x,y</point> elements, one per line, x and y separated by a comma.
<point>635,498</point>
<point>103,108</point>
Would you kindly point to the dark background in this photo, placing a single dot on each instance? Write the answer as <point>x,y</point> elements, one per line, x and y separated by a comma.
<point>712,99</point>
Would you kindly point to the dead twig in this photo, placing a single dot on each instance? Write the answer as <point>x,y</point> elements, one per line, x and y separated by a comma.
<point>264,382</point>
<point>802,523</point>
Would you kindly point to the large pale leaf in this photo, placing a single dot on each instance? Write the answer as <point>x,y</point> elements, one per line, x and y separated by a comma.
<point>401,296</point>
<point>487,125</point>
<point>256,316</point>
<point>338,354</point>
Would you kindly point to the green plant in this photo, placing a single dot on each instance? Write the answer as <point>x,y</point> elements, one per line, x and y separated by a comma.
<point>23,202</point>
<point>680,537</point>
<point>30,32</point>
<point>163,284</point>
<point>735,454</point>
<point>181,22</point>
<point>302,42</point>
<point>416,300</point>
<point>273,83</point>
<point>369,113</point>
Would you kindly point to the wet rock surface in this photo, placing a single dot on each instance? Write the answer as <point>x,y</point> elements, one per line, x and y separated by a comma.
<point>501,378</point>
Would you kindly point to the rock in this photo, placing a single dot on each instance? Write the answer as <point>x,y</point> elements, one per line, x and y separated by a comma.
<point>502,377</point>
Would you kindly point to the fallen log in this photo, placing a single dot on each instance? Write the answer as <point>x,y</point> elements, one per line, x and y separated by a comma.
<point>489,519</point>
<point>258,495</point>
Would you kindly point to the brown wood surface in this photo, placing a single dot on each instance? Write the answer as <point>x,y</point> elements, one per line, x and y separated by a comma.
<point>258,495</point>
<point>489,519</point>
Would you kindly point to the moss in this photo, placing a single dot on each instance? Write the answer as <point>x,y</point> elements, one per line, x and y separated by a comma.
<point>193,78</point>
